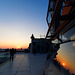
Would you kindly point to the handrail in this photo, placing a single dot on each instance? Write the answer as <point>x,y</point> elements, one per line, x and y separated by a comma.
<point>4,53</point>
<point>4,56</point>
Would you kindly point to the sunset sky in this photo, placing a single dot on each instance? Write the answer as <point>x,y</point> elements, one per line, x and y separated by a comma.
<point>19,19</point>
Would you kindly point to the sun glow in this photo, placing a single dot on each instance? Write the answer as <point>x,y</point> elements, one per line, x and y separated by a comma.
<point>63,64</point>
<point>18,47</point>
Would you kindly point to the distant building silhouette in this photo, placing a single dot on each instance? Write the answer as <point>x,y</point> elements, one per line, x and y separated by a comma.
<point>40,45</point>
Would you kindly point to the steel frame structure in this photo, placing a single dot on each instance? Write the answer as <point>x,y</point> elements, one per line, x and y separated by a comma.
<point>62,18</point>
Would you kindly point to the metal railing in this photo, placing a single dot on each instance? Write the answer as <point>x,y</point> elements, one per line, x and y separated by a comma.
<point>4,56</point>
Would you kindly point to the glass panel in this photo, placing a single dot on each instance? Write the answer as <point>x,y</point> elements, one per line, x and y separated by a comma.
<point>49,17</point>
<point>66,56</point>
<point>56,41</point>
<point>69,35</point>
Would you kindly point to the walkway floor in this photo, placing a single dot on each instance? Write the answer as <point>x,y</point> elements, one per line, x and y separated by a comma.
<point>24,64</point>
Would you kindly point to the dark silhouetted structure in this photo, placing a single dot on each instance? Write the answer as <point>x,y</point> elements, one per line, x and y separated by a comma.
<point>39,45</point>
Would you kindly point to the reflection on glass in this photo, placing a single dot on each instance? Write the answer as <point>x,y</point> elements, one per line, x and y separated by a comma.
<point>69,35</point>
<point>66,56</point>
<point>72,37</point>
<point>66,53</point>
<point>74,44</point>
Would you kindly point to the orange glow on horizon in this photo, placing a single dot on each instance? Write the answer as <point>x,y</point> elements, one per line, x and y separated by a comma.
<point>13,46</point>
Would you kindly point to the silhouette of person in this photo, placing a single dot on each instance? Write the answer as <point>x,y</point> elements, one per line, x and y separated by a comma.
<point>11,54</point>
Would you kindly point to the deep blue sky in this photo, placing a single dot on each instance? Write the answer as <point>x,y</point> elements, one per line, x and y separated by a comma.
<point>19,19</point>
